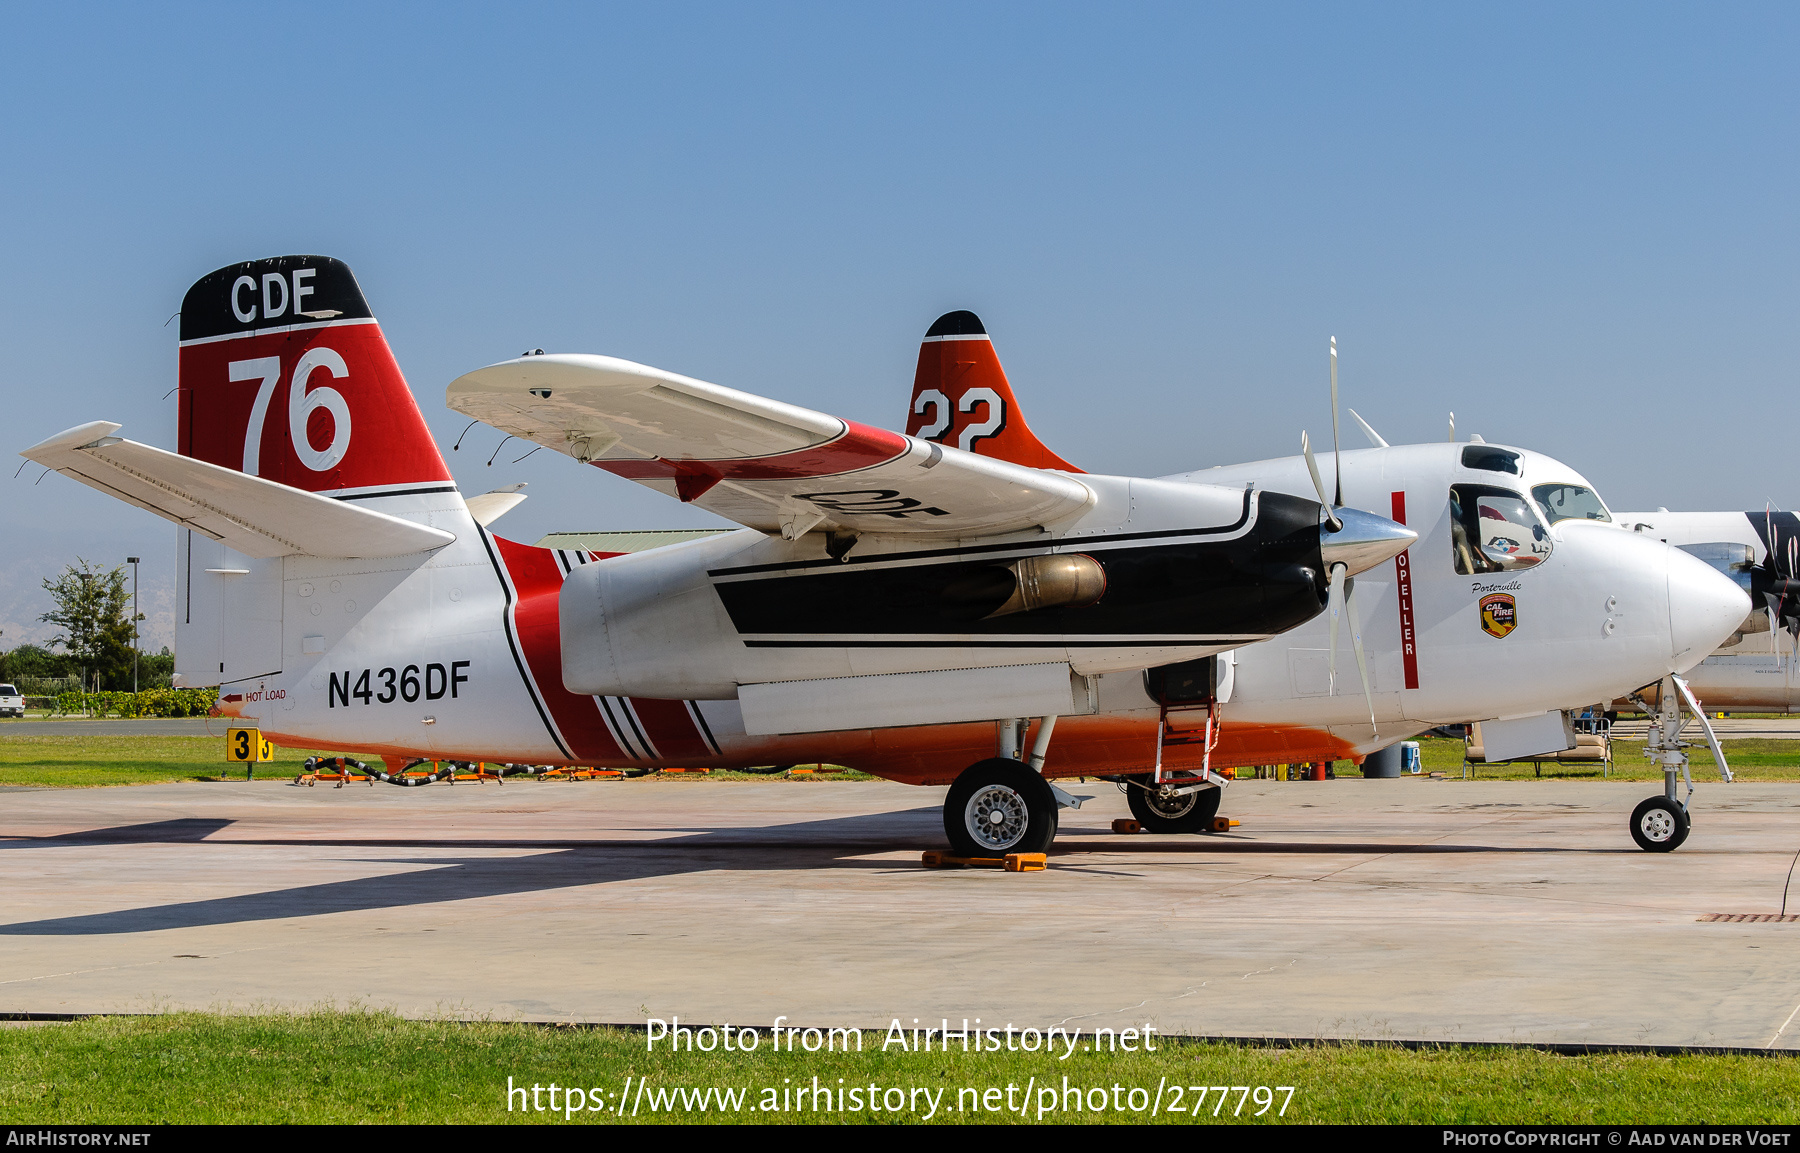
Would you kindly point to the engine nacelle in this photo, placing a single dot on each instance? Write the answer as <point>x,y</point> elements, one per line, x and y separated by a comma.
<point>1158,572</point>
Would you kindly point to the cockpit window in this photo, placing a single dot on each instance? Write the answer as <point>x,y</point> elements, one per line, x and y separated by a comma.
<point>1490,459</point>
<point>1569,502</point>
<point>1494,530</point>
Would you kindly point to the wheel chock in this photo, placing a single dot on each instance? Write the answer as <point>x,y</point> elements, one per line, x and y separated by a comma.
<point>1011,863</point>
<point>1224,824</point>
<point>1127,825</point>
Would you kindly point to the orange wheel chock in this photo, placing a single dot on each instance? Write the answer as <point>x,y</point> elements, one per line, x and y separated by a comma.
<point>1127,825</point>
<point>1011,863</point>
<point>1224,824</point>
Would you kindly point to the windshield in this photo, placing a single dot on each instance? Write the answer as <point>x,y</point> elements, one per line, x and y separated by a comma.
<point>1569,502</point>
<point>1494,530</point>
<point>8,691</point>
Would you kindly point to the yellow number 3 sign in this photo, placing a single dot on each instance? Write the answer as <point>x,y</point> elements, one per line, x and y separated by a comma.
<point>247,745</point>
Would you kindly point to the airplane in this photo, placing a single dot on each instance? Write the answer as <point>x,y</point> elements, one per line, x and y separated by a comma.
<point>1753,669</point>
<point>609,661</point>
<point>1515,603</point>
<point>339,589</point>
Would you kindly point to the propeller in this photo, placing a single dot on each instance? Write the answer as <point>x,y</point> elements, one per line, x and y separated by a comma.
<point>1339,588</point>
<point>1337,461</point>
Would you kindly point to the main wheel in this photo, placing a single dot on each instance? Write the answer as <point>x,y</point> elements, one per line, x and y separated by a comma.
<point>1659,824</point>
<point>999,806</point>
<point>1181,813</point>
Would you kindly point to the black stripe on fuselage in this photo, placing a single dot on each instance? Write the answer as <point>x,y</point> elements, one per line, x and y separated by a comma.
<point>982,550</point>
<point>1261,583</point>
<point>389,492</point>
<point>712,742</point>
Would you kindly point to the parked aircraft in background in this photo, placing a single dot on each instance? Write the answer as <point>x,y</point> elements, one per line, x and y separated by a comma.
<point>1754,669</point>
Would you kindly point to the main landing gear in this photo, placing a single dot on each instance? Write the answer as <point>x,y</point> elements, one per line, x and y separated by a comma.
<point>1004,805</point>
<point>999,806</point>
<point>1171,808</point>
<point>1661,823</point>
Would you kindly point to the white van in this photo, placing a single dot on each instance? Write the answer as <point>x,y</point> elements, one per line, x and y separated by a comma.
<point>11,703</point>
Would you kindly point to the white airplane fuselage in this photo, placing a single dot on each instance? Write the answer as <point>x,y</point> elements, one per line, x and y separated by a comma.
<point>460,657</point>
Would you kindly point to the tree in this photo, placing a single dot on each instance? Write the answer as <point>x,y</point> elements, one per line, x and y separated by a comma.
<point>33,661</point>
<point>94,611</point>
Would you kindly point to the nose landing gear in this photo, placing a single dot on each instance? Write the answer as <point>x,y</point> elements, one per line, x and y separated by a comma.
<point>1660,824</point>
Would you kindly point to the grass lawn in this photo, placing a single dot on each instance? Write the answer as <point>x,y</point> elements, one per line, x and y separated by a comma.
<point>337,1067</point>
<point>1751,759</point>
<point>87,760</point>
<point>84,759</point>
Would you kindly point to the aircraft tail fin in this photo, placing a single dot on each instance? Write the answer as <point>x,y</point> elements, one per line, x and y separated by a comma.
<point>961,397</point>
<point>285,375</point>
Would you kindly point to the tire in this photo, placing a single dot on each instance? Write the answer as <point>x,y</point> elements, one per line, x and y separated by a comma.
<point>1019,797</point>
<point>1659,825</point>
<point>1186,813</point>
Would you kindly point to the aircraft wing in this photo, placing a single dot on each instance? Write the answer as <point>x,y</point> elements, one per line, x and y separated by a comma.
<point>759,462</point>
<point>257,517</point>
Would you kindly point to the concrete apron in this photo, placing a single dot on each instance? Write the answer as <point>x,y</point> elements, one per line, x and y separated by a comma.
<point>1415,909</point>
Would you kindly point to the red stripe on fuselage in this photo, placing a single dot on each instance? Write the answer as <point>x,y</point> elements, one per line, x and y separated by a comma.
<point>670,729</point>
<point>860,446</point>
<point>537,579</point>
<point>1409,651</point>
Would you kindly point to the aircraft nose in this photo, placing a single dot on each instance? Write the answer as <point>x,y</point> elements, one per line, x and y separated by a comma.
<point>1705,607</point>
<point>1364,541</point>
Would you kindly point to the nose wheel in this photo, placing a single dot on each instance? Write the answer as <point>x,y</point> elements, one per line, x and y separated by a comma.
<point>1659,824</point>
<point>999,806</point>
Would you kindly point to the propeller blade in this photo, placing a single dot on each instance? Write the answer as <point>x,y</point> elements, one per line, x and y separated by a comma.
<point>1334,603</point>
<point>1453,428</point>
<point>1312,466</point>
<point>1374,437</point>
<point>1337,461</point>
<point>1362,663</point>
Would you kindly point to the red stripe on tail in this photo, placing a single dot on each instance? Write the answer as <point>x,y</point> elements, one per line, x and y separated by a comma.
<point>961,397</point>
<point>285,375</point>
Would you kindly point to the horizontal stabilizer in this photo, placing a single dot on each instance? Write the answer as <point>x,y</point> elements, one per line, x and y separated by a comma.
<point>491,506</point>
<point>256,517</point>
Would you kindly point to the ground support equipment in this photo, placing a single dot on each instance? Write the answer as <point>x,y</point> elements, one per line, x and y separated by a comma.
<point>341,770</point>
<point>1129,827</point>
<point>1011,863</point>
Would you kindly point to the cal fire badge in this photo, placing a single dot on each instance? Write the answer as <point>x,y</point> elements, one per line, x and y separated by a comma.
<point>1499,614</point>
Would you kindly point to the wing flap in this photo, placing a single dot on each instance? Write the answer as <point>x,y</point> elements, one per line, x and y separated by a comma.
<point>760,462</point>
<point>257,517</point>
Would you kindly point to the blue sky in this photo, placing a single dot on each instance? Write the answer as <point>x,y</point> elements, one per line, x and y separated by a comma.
<point>1573,225</point>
